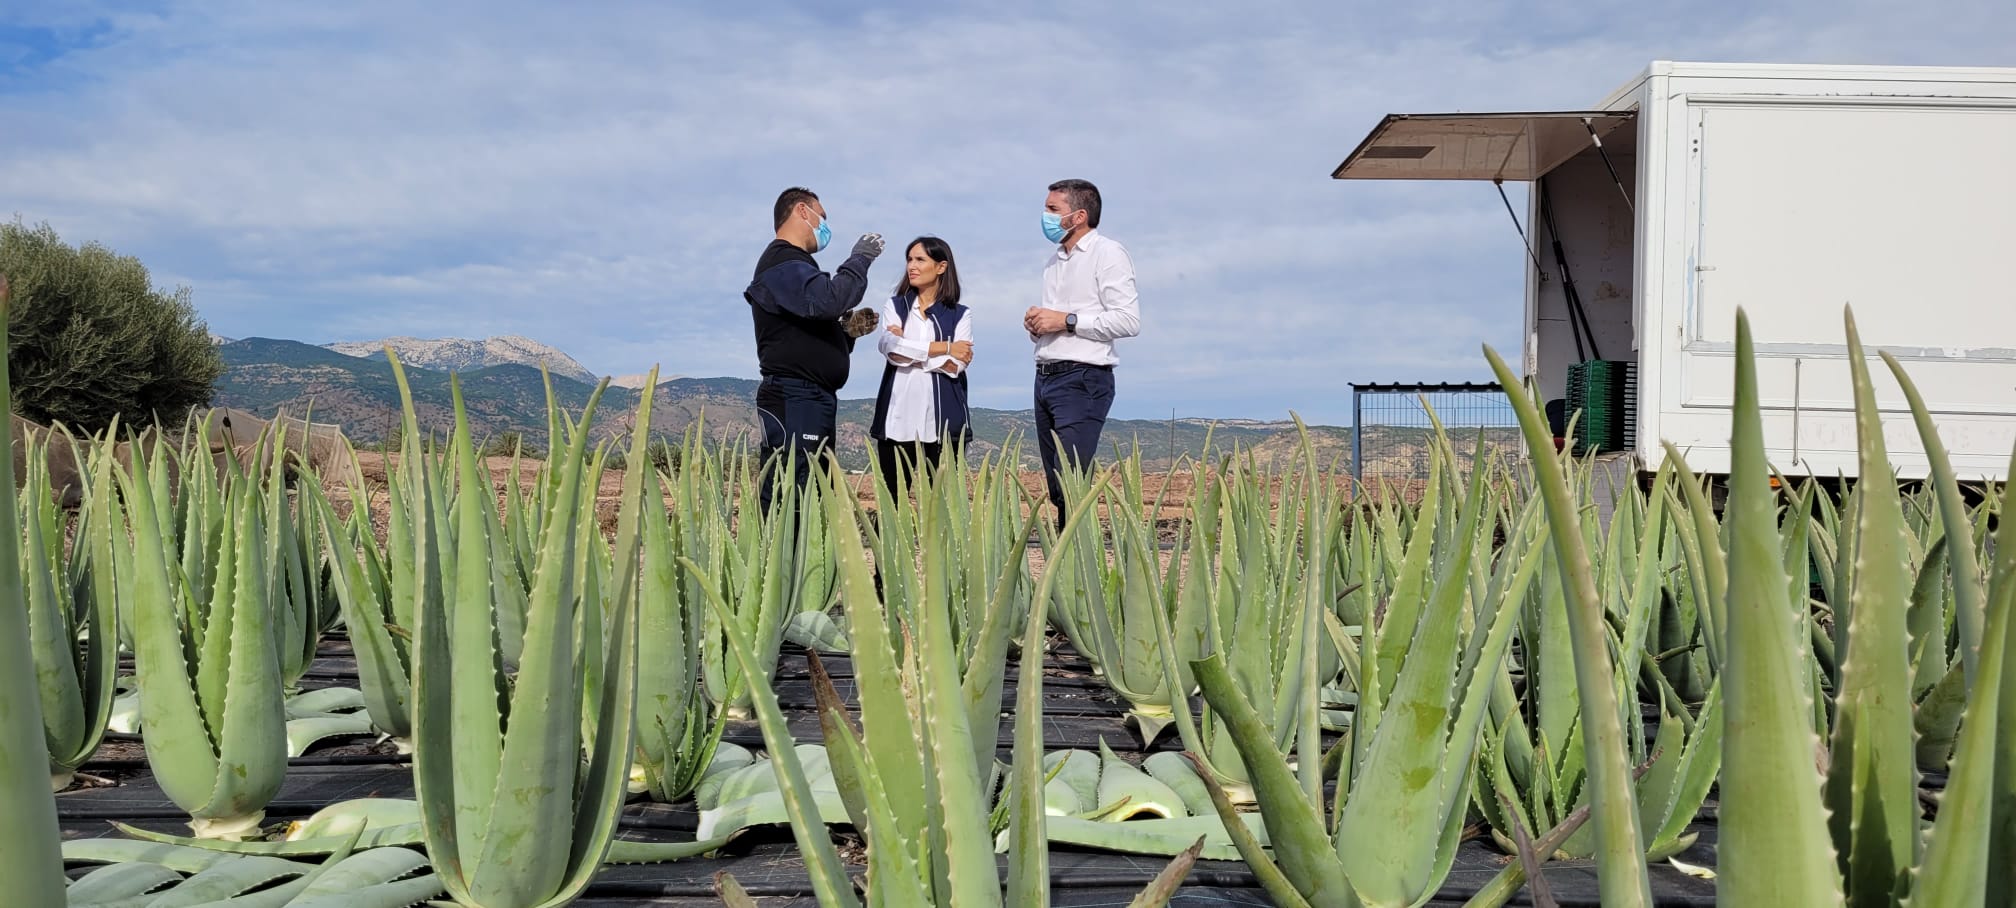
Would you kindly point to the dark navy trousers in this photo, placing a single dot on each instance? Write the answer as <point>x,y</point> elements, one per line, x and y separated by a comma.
<point>1072,400</point>
<point>798,419</point>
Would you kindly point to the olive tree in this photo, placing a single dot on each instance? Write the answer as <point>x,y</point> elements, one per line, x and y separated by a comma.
<point>90,337</point>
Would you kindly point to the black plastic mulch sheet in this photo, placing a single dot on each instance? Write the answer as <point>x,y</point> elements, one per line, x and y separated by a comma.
<point>1079,712</point>
<point>775,874</point>
<point>306,790</point>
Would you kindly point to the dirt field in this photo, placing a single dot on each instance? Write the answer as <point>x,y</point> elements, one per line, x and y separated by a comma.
<point>1173,490</point>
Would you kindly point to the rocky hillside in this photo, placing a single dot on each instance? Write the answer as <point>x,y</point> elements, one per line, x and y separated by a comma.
<point>454,354</point>
<point>265,375</point>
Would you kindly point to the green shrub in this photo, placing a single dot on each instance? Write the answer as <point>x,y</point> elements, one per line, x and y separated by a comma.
<point>91,338</point>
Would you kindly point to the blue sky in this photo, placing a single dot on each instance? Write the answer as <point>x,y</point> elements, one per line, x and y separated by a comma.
<point>599,175</point>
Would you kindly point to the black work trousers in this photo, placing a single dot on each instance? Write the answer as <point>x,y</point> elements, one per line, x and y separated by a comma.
<point>1072,400</point>
<point>894,456</point>
<point>798,419</point>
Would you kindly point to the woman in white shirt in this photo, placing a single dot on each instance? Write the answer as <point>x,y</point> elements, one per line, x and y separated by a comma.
<point>928,343</point>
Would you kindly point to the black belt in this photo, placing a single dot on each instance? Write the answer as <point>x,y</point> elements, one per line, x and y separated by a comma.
<point>1061,366</point>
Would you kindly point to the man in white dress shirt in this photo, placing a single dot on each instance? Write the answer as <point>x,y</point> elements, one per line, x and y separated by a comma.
<point>1088,303</point>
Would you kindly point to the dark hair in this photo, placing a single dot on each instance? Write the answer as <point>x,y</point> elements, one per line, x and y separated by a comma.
<point>791,198</point>
<point>939,251</point>
<point>1080,194</point>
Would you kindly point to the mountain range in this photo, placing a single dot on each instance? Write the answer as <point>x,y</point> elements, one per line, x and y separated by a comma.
<point>504,393</point>
<point>454,354</point>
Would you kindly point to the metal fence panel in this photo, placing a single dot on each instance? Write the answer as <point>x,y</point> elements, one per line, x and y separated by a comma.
<point>1391,433</point>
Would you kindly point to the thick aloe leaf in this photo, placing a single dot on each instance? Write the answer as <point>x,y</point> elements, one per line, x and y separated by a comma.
<point>829,879</point>
<point>1143,794</point>
<point>886,709</point>
<point>1167,837</point>
<point>1163,888</point>
<point>627,852</point>
<point>985,671</point>
<point>369,867</point>
<point>1301,843</point>
<point>1620,843</point>
<point>1775,848</point>
<point>1181,776</point>
<point>180,858</point>
<point>1872,779</point>
<point>1272,879</point>
<point>390,835</point>
<point>29,859</point>
<point>1937,719</point>
<point>198,890</point>
<point>72,613</point>
<point>373,813</point>
<point>731,892</point>
<point>229,878</point>
<point>1029,856</point>
<point>1956,868</point>
<point>948,730</point>
<point>2001,590</point>
<point>306,732</point>
<point>893,875</point>
<point>398,894</point>
<point>116,882</point>
<point>362,590</point>
<point>324,701</point>
<point>1072,786</point>
<point>1962,563</point>
<point>1700,760</point>
<point>816,631</point>
<point>678,732</point>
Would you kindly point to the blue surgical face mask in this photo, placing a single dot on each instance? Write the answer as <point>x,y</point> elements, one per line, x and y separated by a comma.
<point>1053,227</point>
<point>822,235</point>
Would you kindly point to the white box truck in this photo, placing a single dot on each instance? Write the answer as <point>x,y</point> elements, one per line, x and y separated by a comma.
<point>1790,191</point>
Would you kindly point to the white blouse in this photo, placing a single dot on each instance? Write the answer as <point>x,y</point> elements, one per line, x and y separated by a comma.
<point>913,404</point>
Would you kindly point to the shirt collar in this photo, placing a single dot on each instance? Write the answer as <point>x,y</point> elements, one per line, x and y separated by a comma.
<point>1090,239</point>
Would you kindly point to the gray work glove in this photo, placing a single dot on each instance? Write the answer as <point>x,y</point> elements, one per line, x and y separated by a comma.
<point>860,322</point>
<point>870,245</point>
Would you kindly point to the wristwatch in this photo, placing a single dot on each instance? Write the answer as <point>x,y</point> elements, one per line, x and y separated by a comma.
<point>1071,323</point>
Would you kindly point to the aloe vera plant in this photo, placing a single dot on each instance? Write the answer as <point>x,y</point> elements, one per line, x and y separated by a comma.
<point>498,759</point>
<point>30,860</point>
<point>1942,549</point>
<point>912,754</point>
<point>1404,780</point>
<point>362,583</point>
<point>295,555</point>
<point>1851,833</point>
<point>966,514</point>
<point>678,727</point>
<point>1619,841</point>
<point>1259,577</point>
<point>1111,612</point>
<point>206,658</point>
<point>73,613</point>
<point>1532,767</point>
<point>767,562</point>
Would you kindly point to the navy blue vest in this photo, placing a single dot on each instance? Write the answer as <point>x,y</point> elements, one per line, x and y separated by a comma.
<point>949,391</point>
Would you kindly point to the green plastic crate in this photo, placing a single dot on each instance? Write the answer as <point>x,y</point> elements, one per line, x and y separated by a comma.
<point>1602,399</point>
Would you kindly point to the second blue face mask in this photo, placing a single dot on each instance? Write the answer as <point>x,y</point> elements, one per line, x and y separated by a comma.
<point>823,235</point>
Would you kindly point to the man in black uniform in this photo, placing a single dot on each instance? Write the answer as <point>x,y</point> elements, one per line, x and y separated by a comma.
<point>804,332</point>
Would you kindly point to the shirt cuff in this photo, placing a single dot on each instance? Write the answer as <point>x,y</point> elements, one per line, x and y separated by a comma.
<point>910,350</point>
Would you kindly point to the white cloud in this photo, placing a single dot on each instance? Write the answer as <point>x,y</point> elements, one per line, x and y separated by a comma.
<point>600,179</point>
